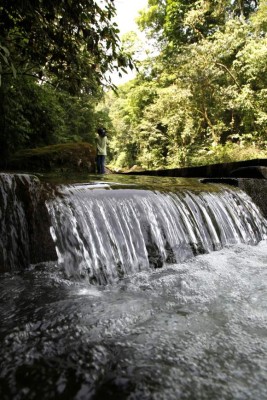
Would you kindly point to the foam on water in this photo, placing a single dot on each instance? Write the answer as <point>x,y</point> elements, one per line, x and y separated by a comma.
<point>194,330</point>
<point>105,235</point>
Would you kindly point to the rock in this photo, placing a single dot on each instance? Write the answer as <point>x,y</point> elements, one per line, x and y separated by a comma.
<point>135,168</point>
<point>25,236</point>
<point>257,190</point>
<point>66,157</point>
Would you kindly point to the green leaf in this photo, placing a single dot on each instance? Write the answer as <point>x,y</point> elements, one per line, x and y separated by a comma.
<point>5,49</point>
<point>13,70</point>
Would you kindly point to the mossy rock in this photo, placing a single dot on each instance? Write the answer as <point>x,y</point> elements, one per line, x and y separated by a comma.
<point>60,157</point>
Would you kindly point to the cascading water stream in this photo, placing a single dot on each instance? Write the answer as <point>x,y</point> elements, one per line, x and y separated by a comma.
<point>194,329</point>
<point>109,234</point>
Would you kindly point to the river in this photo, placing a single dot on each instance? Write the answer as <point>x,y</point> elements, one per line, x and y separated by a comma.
<point>194,329</point>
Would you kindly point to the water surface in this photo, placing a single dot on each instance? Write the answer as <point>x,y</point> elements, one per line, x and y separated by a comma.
<point>193,330</point>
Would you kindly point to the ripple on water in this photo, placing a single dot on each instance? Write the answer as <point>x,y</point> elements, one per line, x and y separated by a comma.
<point>191,331</point>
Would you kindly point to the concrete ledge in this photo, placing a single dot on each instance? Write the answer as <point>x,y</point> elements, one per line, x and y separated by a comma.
<point>255,172</point>
<point>222,181</point>
<point>249,175</point>
<point>240,169</point>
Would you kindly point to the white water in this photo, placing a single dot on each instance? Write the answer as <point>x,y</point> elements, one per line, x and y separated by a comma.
<point>110,234</point>
<point>193,330</point>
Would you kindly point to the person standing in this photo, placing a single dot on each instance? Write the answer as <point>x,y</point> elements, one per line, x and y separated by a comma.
<point>101,147</point>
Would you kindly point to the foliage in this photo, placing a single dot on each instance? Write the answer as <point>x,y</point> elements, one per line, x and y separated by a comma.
<point>202,99</point>
<point>228,152</point>
<point>68,43</point>
<point>54,59</point>
<point>5,61</point>
<point>179,22</point>
<point>35,115</point>
<point>199,98</point>
<point>62,157</point>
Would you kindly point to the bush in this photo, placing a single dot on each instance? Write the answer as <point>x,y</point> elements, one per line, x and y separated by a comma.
<point>61,157</point>
<point>229,152</point>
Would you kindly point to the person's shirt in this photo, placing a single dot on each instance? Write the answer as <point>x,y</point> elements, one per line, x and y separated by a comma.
<point>102,145</point>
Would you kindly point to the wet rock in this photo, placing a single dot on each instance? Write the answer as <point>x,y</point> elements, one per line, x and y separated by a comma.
<point>25,223</point>
<point>61,157</point>
<point>257,190</point>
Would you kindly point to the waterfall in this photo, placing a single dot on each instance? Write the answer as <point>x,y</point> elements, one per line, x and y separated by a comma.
<point>107,234</point>
<point>104,232</point>
<point>194,328</point>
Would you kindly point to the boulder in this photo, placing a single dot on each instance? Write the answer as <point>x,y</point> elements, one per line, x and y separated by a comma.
<point>65,157</point>
<point>25,236</point>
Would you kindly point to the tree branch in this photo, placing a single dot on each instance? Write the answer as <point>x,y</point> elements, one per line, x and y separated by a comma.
<point>32,76</point>
<point>229,72</point>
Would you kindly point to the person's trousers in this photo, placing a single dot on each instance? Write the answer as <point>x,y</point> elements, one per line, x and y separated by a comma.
<point>100,164</point>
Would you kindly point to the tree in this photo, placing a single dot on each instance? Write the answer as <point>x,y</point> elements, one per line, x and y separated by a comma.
<point>37,115</point>
<point>179,22</point>
<point>209,95</point>
<point>54,59</point>
<point>70,44</point>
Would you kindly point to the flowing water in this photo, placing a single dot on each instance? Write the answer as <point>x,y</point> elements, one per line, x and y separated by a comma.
<point>175,307</point>
<point>107,233</point>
